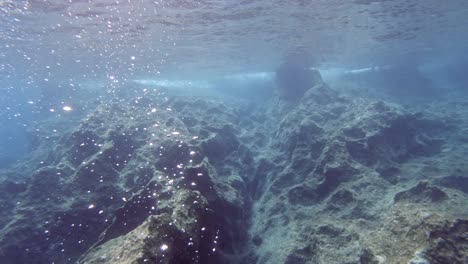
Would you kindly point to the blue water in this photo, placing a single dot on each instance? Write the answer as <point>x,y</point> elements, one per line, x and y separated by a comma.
<point>50,50</point>
<point>60,59</point>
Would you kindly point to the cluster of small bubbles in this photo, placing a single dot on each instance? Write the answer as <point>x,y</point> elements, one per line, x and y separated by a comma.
<point>164,247</point>
<point>215,241</point>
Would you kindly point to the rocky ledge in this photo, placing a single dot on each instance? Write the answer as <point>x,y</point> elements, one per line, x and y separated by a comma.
<point>323,179</point>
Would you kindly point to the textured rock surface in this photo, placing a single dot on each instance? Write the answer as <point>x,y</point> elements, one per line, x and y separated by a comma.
<point>333,165</point>
<point>325,179</point>
<point>126,162</point>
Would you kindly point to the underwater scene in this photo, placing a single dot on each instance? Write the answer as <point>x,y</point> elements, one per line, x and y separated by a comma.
<point>237,132</point>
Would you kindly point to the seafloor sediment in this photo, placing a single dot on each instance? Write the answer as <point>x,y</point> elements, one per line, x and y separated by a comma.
<point>324,179</point>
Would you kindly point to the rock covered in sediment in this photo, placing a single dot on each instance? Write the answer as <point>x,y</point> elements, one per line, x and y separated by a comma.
<point>449,243</point>
<point>182,237</point>
<point>424,235</point>
<point>335,165</point>
<point>422,192</point>
<point>125,162</point>
<point>321,179</point>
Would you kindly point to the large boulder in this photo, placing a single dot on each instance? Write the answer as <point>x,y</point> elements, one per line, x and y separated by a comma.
<point>295,76</point>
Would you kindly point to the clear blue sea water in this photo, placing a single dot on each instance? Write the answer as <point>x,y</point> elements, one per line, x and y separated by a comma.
<point>48,46</point>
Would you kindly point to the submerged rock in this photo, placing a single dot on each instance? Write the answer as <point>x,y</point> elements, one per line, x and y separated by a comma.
<point>295,76</point>
<point>422,192</point>
<point>125,163</point>
<point>183,237</point>
<point>449,243</point>
<point>323,179</point>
